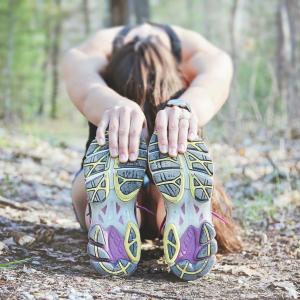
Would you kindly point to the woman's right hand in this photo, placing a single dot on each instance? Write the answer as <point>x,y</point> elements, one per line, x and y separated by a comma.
<point>125,123</point>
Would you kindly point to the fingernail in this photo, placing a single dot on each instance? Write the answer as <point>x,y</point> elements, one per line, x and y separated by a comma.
<point>122,157</point>
<point>133,156</point>
<point>101,141</point>
<point>181,148</point>
<point>163,149</point>
<point>192,136</point>
<point>114,152</point>
<point>173,151</point>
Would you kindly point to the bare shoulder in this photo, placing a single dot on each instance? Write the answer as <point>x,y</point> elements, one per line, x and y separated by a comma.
<point>101,41</point>
<point>192,42</point>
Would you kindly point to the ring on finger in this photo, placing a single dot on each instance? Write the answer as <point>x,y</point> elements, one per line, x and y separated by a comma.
<point>185,114</point>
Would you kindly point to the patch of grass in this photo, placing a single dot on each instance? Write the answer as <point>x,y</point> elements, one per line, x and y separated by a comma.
<point>257,209</point>
<point>60,132</point>
<point>12,264</point>
<point>57,132</point>
<point>4,140</point>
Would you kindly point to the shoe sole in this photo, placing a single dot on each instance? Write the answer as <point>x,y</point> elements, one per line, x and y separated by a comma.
<point>114,243</point>
<point>186,183</point>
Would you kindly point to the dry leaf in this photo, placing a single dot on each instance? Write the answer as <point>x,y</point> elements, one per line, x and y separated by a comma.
<point>288,197</point>
<point>238,270</point>
<point>288,286</point>
<point>23,239</point>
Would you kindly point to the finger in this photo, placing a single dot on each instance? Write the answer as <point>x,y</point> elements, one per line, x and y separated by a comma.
<point>124,121</point>
<point>135,130</point>
<point>183,135</point>
<point>161,126</point>
<point>193,129</point>
<point>100,134</point>
<point>113,133</point>
<point>173,129</point>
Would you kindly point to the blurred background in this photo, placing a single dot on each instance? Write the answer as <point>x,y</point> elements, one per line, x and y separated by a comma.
<point>262,37</point>
<point>254,140</point>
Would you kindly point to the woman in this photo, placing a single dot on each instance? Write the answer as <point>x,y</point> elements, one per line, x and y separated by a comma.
<point>161,82</point>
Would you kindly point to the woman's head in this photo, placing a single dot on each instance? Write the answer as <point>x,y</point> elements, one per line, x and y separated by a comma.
<point>145,71</point>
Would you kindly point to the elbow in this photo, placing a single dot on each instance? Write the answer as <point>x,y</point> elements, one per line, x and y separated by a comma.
<point>228,64</point>
<point>228,68</point>
<point>67,63</point>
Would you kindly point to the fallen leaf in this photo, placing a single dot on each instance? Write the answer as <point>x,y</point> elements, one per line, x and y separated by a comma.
<point>23,239</point>
<point>44,235</point>
<point>238,270</point>
<point>287,198</point>
<point>79,295</point>
<point>2,246</point>
<point>287,286</point>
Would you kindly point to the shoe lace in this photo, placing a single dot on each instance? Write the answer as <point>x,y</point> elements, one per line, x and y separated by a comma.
<point>145,209</point>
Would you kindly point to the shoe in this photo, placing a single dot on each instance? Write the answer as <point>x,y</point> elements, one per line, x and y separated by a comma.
<point>114,243</point>
<point>186,183</point>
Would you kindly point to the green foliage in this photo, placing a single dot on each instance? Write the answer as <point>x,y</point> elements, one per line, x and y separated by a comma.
<point>27,37</point>
<point>15,263</point>
<point>25,23</point>
<point>257,209</point>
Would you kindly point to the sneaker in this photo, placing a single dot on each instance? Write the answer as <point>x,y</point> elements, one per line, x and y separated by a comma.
<point>186,184</point>
<point>114,244</point>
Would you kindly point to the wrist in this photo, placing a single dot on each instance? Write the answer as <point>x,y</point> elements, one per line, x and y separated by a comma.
<point>180,102</point>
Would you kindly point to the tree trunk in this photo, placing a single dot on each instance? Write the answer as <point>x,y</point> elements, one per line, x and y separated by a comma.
<point>119,12</point>
<point>141,10</point>
<point>86,17</point>
<point>288,61</point>
<point>44,7</point>
<point>232,105</point>
<point>9,62</point>
<point>54,58</point>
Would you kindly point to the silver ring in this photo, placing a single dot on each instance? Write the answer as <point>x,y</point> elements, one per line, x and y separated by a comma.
<point>185,114</point>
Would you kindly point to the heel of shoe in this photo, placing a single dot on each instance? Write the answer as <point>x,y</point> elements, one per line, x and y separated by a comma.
<point>111,253</point>
<point>193,255</point>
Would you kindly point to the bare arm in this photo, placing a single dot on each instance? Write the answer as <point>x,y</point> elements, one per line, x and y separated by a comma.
<point>81,67</point>
<point>210,71</point>
<point>96,101</point>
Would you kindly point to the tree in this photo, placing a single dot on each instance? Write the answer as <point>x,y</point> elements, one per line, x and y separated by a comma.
<point>45,24</point>
<point>119,12</point>
<point>288,61</point>
<point>9,61</point>
<point>141,10</point>
<point>55,51</point>
<point>128,11</point>
<point>86,16</point>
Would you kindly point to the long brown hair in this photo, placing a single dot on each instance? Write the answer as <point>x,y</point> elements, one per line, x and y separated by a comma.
<point>145,71</point>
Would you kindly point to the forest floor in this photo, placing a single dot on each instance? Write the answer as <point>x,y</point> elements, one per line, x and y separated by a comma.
<point>42,249</point>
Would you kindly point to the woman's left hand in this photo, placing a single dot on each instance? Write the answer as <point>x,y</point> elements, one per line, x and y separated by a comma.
<point>175,126</point>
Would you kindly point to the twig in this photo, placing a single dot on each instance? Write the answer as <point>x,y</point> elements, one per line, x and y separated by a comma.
<point>7,202</point>
<point>148,294</point>
<point>272,162</point>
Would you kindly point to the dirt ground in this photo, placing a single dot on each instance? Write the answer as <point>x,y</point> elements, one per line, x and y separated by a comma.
<point>42,249</point>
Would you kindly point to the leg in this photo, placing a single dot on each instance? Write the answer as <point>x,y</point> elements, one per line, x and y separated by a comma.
<point>79,200</point>
<point>151,199</point>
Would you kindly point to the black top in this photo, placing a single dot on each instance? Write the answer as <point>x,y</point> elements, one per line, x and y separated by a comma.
<point>118,42</point>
